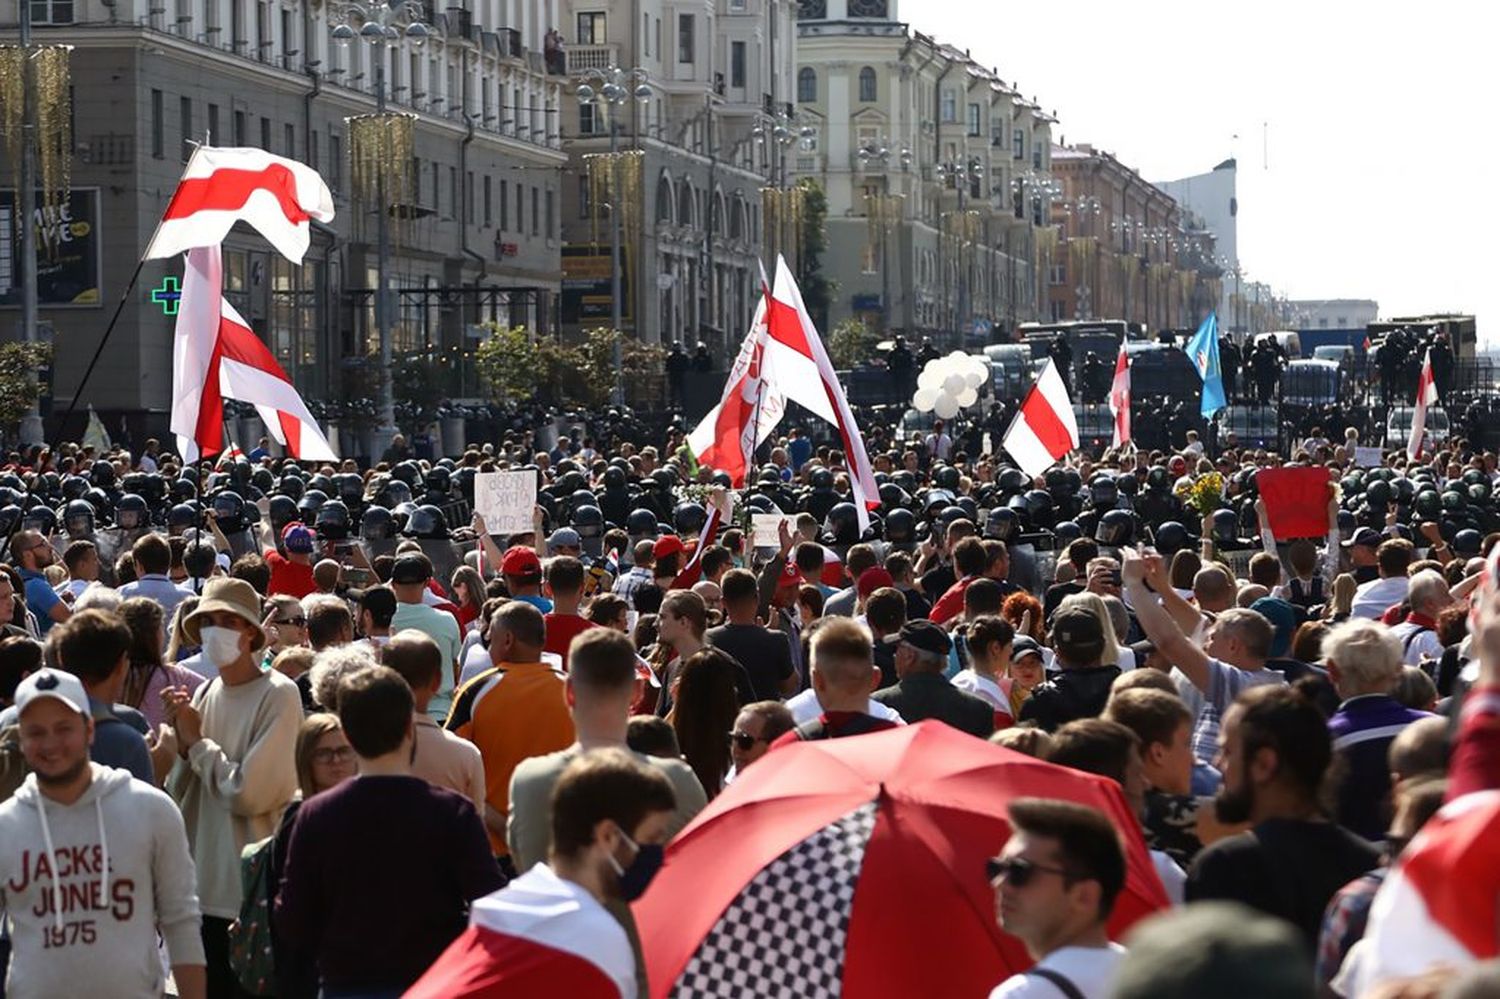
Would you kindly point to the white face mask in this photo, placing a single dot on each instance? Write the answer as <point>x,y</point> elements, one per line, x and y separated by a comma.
<point>221,646</point>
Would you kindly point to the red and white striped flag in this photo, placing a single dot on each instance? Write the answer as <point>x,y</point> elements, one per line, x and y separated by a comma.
<point>215,357</point>
<point>722,440</point>
<point>1044,429</point>
<point>274,195</point>
<point>796,364</point>
<point>1119,398</point>
<point>1426,396</point>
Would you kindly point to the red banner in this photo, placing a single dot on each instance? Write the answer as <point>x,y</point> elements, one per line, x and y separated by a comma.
<point>1296,501</point>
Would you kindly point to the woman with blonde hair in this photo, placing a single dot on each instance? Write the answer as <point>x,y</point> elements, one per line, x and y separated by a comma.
<point>1094,604</point>
<point>1341,600</point>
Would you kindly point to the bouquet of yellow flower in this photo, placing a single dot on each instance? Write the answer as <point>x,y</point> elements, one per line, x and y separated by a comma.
<point>1206,494</point>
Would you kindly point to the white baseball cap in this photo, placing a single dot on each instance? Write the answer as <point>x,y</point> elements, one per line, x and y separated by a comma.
<point>53,683</point>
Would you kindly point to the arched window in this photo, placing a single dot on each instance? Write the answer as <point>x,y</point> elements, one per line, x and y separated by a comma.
<point>867,85</point>
<point>664,199</point>
<point>737,219</point>
<point>807,85</point>
<point>718,216</point>
<point>686,213</point>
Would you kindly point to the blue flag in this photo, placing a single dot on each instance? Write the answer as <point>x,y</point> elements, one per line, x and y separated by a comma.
<point>1203,351</point>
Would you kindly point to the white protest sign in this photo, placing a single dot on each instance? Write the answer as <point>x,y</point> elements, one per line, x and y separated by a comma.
<point>1368,457</point>
<point>505,500</point>
<point>767,529</point>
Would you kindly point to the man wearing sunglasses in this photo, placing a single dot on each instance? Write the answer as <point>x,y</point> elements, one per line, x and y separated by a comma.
<point>1055,884</point>
<point>34,553</point>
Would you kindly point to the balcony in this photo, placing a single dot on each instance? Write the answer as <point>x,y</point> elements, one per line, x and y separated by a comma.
<point>582,58</point>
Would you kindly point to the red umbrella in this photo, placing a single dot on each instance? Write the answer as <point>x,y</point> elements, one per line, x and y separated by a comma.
<point>856,866</point>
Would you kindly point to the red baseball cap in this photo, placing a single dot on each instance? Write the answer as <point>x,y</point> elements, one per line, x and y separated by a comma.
<point>873,579</point>
<point>790,575</point>
<point>520,562</point>
<point>667,544</point>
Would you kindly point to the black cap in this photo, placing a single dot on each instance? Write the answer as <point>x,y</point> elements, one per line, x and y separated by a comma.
<point>412,567</point>
<point>1025,645</point>
<point>1077,636</point>
<point>1367,536</point>
<point>926,636</point>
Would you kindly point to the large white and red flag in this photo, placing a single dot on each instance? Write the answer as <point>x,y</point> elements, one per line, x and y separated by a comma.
<point>1044,429</point>
<point>276,196</point>
<point>216,356</point>
<point>798,366</point>
<point>723,439</point>
<point>1427,395</point>
<point>1119,399</point>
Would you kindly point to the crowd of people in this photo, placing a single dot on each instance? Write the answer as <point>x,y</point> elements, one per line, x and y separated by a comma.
<point>281,730</point>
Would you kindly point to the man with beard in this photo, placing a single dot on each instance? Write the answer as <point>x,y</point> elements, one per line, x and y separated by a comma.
<point>1274,754</point>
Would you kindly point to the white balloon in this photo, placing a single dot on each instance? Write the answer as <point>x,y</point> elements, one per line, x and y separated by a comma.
<point>967,398</point>
<point>924,399</point>
<point>930,378</point>
<point>957,355</point>
<point>946,406</point>
<point>975,377</point>
<point>954,383</point>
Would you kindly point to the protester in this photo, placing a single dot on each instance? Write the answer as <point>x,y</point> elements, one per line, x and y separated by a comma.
<point>410,576</point>
<point>923,691</point>
<point>756,727</point>
<point>439,757</point>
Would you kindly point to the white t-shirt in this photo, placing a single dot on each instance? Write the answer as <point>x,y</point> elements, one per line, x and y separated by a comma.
<point>805,708</point>
<point>1377,596</point>
<point>983,688</point>
<point>1416,641</point>
<point>1090,969</point>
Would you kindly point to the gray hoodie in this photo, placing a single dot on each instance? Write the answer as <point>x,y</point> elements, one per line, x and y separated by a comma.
<point>118,861</point>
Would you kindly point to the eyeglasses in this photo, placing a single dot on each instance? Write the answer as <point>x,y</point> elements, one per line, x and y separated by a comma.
<point>334,754</point>
<point>744,741</point>
<point>296,622</point>
<point>1019,871</point>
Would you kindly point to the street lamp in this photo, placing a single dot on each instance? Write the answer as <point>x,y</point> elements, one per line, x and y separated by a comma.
<point>611,90</point>
<point>382,24</point>
<point>780,131</point>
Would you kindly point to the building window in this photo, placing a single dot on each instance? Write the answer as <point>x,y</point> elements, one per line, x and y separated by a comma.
<point>288,38</point>
<point>948,111</point>
<point>213,125</point>
<point>867,85</point>
<point>1036,156</point>
<point>520,207</point>
<point>807,85</point>
<point>736,64</point>
<point>585,201</point>
<point>646,33</point>
<point>686,30</point>
<point>263,39</point>
<point>974,119</point>
<point>335,160</point>
<point>551,213</point>
<point>437,188</point>
<point>51,11</point>
<point>488,217</point>
<point>591,25</point>
<point>312,150</point>
<point>505,205</point>
<point>186,105</point>
<point>241,128</point>
<point>867,258</point>
<point>265,134</point>
<point>588,119</point>
<point>290,134</point>
<point>867,8</point>
<point>158,137</point>
<point>469,197</point>
<point>1018,144</point>
<point>536,212</point>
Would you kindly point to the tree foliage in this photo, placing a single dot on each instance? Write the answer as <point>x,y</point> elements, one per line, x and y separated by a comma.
<point>817,289</point>
<point>20,364</point>
<point>509,361</point>
<point>517,366</point>
<point>851,343</point>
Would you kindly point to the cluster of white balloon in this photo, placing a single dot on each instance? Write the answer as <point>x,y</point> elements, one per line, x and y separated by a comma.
<point>948,384</point>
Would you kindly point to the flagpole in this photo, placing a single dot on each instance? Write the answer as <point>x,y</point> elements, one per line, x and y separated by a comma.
<point>120,305</point>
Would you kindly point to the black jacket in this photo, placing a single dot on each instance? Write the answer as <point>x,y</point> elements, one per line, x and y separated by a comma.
<point>1072,694</point>
<point>930,695</point>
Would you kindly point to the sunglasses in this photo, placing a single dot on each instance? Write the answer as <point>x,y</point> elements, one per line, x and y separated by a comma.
<point>744,741</point>
<point>1018,871</point>
<point>296,622</point>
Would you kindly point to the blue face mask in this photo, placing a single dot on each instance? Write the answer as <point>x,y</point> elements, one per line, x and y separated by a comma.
<point>637,875</point>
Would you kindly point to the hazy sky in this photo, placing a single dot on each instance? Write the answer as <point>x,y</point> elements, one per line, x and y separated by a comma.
<point>1380,119</point>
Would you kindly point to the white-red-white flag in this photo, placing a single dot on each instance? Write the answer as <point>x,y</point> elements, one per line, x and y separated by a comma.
<point>796,363</point>
<point>1044,429</point>
<point>1426,396</point>
<point>723,439</point>
<point>1119,398</point>
<point>274,195</point>
<point>216,356</point>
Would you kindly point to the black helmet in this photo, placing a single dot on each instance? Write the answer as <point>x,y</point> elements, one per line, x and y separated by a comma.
<point>821,478</point>
<point>1347,524</point>
<point>102,474</point>
<point>1428,504</point>
<point>376,524</point>
<point>893,496</point>
<point>614,478</point>
<point>1116,527</point>
<point>131,513</point>
<point>262,479</point>
<point>333,521</point>
<point>900,526</point>
<point>1103,493</point>
<point>74,486</point>
<point>1452,501</point>
<point>1404,489</point>
<point>1127,483</point>
<point>947,477</point>
<point>1039,509</point>
<point>641,523</point>
<point>1012,481</point>
<point>78,518</point>
<point>10,519</point>
<point>134,482</point>
<point>1467,542</point>
<point>688,519</point>
<point>427,523</point>
<point>282,511</point>
<point>407,471</point>
<point>1158,479</point>
<point>181,517</point>
<point>393,493</point>
<point>588,521</point>
<point>312,501</point>
<point>350,489</point>
<point>437,480</point>
<point>1378,492</point>
<point>1000,523</point>
<point>1066,533</point>
<point>1479,493</point>
<point>1225,525</point>
<point>100,501</point>
<point>229,511</point>
<point>1171,538</point>
<point>842,524</point>
<point>40,518</point>
<point>322,483</point>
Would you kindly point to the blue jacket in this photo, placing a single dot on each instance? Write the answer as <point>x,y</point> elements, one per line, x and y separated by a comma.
<point>1362,730</point>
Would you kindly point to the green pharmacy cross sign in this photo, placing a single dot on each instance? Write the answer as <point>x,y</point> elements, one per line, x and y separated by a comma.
<point>168,296</point>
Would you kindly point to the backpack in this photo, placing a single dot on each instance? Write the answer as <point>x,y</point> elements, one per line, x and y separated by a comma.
<point>250,950</point>
<point>13,768</point>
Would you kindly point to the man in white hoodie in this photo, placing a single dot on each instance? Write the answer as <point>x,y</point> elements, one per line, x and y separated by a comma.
<point>92,862</point>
